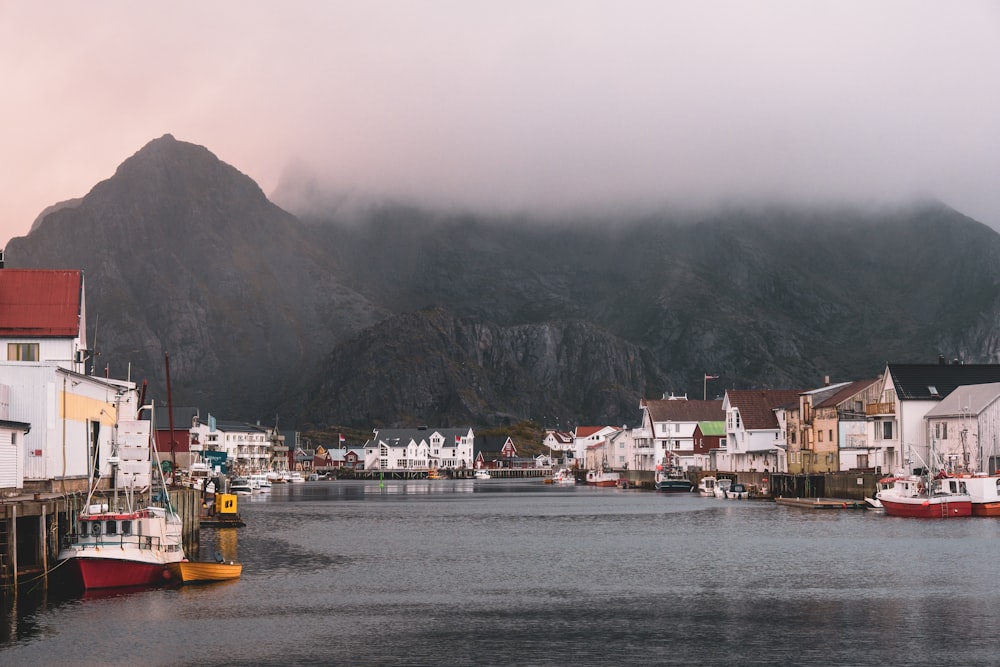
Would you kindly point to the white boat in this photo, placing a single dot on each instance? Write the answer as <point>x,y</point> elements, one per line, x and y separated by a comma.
<point>727,488</point>
<point>921,496</point>
<point>260,482</point>
<point>706,487</point>
<point>293,477</point>
<point>241,486</point>
<point>482,474</point>
<point>200,477</point>
<point>130,537</point>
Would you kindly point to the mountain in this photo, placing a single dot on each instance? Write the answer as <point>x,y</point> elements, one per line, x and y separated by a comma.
<point>397,315</point>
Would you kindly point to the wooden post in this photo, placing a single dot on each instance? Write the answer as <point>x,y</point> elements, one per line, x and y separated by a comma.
<point>45,547</point>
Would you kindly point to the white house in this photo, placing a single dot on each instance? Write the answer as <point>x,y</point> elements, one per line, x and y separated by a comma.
<point>965,428</point>
<point>909,393</point>
<point>11,456</point>
<point>670,424</point>
<point>247,446</point>
<point>72,416</point>
<point>755,428</point>
<point>420,449</point>
<point>589,439</point>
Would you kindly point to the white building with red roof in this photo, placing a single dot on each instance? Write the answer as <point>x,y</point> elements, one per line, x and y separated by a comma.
<point>71,416</point>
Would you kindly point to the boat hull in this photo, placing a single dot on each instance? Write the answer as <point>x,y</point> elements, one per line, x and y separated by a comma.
<point>927,508</point>
<point>94,573</point>
<point>192,572</point>
<point>986,509</point>
<point>673,486</point>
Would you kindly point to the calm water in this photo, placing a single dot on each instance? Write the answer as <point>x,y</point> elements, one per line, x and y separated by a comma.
<point>496,572</point>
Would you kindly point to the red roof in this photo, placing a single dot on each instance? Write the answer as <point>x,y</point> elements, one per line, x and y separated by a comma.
<point>40,303</point>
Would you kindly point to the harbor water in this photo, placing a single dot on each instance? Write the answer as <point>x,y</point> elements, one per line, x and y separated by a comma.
<point>495,572</point>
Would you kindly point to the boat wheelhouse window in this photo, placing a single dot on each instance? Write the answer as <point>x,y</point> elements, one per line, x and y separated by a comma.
<point>112,528</point>
<point>126,527</point>
<point>95,528</point>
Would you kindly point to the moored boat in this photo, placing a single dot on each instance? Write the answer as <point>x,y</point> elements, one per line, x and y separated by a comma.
<point>602,478</point>
<point>731,490</point>
<point>706,487</point>
<point>561,476</point>
<point>482,474</point>
<point>241,486</point>
<point>920,496</point>
<point>192,572</point>
<point>118,542</point>
<point>984,492</point>
<point>671,480</point>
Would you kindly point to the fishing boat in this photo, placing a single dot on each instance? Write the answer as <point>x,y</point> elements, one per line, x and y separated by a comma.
<point>127,538</point>
<point>602,477</point>
<point>671,480</point>
<point>436,474</point>
<point>925,497</point>
<point>482,474</point>
<point>706,487</point>
<point>294,477</point>
<point>926,493</point>
<point>561,476</point>
<point>260,482</point>
<point>194,572</point>
<point>984,491</point>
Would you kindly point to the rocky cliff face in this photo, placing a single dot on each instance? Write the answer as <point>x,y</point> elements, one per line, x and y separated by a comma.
<point>404,316</point>
<point>430,367</point>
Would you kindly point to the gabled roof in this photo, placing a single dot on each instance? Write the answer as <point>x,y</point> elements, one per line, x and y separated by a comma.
<point>561,436</point>
<point>665,410</point>
<point>932,382</point>
<point>845,392</point>
<point>483,445</point>
<point>757,406</point>
<point>587,431</point>
<point>400,437</point>
<point>967,400</point>
<point>40,303</point>
<point>712,428</point>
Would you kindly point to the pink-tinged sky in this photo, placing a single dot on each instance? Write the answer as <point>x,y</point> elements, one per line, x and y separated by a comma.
<point>513,104</point>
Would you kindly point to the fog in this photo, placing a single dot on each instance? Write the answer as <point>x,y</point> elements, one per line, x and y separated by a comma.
<point>517,105</point>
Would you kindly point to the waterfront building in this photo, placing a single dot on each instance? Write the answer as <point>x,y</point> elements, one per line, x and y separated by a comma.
<point>590,439</point>
<point>755,429</point>
<point>908,393</point>
<point>811,445</point>
<point>668,431</point>
<point>419,449</point>
<point>965,427</point>
<point>247,446</point>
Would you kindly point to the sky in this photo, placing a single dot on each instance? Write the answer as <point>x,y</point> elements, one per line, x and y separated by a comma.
<point>513,105</point>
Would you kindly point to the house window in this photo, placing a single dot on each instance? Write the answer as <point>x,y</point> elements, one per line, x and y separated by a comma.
<point>862,460</point>
<point>22,351</point>
<point>820,436</point>
<point>886,430</point>
<point>677,444</point>
<point>677,427</point>
<point>831,435</point>
<point>793,437</point>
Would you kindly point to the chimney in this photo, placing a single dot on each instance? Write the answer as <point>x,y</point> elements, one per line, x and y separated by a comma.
<point>826,380</point>
<point>941,361</point>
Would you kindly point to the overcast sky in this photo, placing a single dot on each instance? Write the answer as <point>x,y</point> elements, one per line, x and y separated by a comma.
<point>509,103</point>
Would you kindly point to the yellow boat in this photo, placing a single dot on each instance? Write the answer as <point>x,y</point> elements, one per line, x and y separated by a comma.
<point>193,572</point>
<point>434,474</point>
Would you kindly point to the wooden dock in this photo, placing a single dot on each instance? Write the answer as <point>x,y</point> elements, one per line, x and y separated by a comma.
<point>823,503</point>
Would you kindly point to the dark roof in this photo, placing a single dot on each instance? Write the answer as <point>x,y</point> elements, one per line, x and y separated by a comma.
<point>490,445</point>
<point>932,382</point>
<point>664,410</point>
<point>40,303</point>
<point>757,406</point>
<point>845,393</point>
<point>405,435</point>
<point>17,426</point>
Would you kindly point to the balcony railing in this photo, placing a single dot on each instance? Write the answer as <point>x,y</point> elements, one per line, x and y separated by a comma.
<point>880,409</point>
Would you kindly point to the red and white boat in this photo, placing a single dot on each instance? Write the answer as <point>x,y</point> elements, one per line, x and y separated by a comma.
<point>602,478</point>
<point>120,540</point>
<point>984,491</point>
<point>923,497</point>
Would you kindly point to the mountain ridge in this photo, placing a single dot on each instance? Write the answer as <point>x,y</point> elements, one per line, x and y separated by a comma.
<point>265,313</point>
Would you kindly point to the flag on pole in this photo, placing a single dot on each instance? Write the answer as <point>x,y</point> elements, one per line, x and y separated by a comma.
<point>711,377</point>
<point>342,438</point>
<point>458,439</point>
